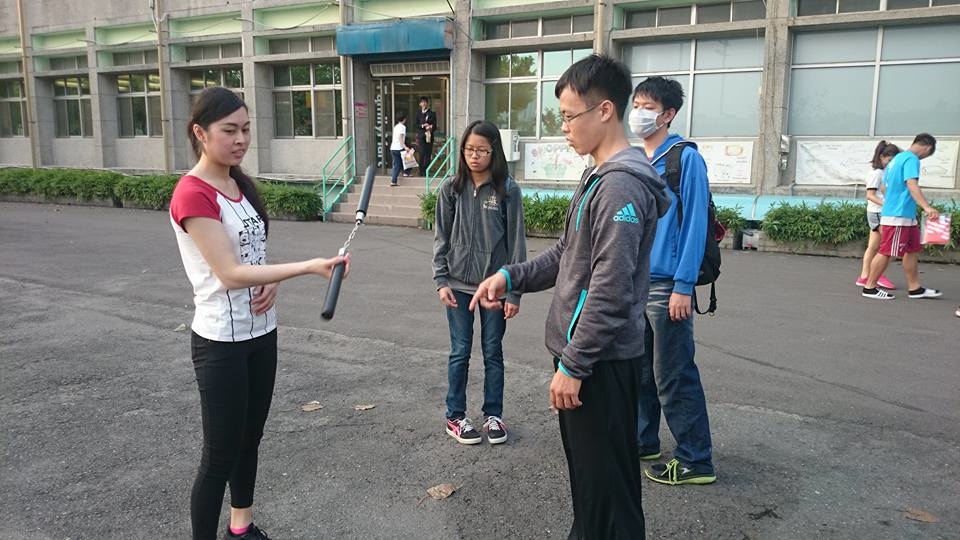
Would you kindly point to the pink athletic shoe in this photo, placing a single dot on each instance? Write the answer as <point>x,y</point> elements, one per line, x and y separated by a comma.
<point>861,282</point>
<point>885,283</point>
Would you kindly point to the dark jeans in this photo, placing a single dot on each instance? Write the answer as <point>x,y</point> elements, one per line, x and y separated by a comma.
<point>492,328</point>
<point>425,152</point>
<point>397,165</point>
<point>670,381</point>
<point>236,385</point>
<point>601,449</point>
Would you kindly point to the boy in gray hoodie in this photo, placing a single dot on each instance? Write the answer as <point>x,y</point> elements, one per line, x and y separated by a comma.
<point>600,267</point>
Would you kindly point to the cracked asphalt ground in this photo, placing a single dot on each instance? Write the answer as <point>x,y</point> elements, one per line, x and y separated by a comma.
<point>831,415</point>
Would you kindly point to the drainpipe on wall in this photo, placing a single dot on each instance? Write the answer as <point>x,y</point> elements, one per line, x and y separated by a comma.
<point>157,14</point>
<point>599,36</point>
<point>27,86</point>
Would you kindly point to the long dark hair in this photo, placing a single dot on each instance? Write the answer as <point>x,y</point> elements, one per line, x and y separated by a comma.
<point>498,162</point>
<point>883,149</point>
<point>215,104</point>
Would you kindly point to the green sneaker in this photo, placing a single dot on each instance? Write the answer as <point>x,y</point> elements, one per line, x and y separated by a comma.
<point>650,456</point>
<point>673,473</point>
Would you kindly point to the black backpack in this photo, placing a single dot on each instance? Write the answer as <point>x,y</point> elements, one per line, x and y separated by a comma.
<point>710,267</point>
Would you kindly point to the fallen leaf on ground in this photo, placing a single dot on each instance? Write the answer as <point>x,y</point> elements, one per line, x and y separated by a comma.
<point>180,328</point>
<point>364,407</point>
<point>919,515</point>
<point>441,491</point>
<point>311,406</point>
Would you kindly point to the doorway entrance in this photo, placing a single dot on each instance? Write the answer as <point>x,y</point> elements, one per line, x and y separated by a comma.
<point>394,95</point>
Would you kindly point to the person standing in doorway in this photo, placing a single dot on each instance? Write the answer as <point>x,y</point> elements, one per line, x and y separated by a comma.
<point>426,124</point>
<point>899,230</point>
<point>670,379</point>
<point>594,330</point>
<point>398,146</point>
<point>478,228</point>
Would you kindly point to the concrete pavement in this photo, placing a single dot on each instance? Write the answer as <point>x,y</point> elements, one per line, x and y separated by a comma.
<point>832,415</point>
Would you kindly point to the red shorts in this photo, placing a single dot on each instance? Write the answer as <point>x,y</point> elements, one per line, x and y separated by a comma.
<point>896,240</point>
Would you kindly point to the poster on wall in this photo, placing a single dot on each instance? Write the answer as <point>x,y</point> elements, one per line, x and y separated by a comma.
<point>844,163</point>
<point>728,162</point>
<point>552,161</point>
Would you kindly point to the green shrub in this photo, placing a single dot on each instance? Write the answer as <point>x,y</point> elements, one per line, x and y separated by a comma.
<point>285,199</point>
<point>80,184</point>
<point>545,214</point>
<point>825,224</point>
<point>428,208</point>
<point>150,191</point>
<point>16,181</point>
<point>732,219</point>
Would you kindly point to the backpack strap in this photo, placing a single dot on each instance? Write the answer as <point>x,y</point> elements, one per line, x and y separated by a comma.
<point>672,173</point>
<point>712,307</point>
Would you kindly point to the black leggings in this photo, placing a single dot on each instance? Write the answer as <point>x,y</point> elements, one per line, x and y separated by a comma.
<point>236,385</point>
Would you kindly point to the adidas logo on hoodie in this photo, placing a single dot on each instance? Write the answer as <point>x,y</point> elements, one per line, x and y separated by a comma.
<point>627,214</point>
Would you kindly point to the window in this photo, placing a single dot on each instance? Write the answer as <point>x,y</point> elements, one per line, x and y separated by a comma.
<point>11,67</point>
<point>213,52</point>
<point>737,10</point>
<point>548,26</point>
<point>721,79</point>
<point>71,103</point>
<point>519,90</point>
<point>139,102</point>
<point>302,44</point>
<point>912,81</point>
<point>68,62</point>
<point>829,7</point>
<point>13,109</point>
<point>306,100</point>
<point>132,58</point>
<point>209,78</point>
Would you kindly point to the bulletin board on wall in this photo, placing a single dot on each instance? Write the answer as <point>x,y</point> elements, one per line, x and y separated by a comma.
<point>728,162</point>
<point>843,163</point>
<point>552,161</point>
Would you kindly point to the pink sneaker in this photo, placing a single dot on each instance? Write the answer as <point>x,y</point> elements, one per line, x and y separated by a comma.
<point>885,283</point>
<point>861,282</point>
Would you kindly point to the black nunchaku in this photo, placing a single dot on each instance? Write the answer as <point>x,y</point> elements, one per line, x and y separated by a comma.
<point>336,277</point>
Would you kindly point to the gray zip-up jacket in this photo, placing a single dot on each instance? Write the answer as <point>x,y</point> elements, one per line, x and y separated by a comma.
<point>475,234</point>
<point>600,265</point>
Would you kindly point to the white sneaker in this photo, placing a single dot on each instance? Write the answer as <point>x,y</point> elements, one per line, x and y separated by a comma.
<point>879,294</point>
<point>927,293</point>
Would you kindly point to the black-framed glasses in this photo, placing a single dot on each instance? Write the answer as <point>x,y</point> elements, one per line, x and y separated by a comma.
<point>566,119</point>
<point>479,152</point>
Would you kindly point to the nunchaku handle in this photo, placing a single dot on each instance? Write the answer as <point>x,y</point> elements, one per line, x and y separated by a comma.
<point>333,290</point>
<point>336,277</point>
<point>365,194</point>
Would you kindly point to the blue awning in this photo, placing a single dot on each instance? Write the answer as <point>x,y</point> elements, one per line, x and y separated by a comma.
<point>397,36</point>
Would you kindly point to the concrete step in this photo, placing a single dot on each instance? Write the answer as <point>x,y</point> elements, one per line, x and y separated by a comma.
<point>393,196</point>
<point>374,219</point>
<point>389,209</point>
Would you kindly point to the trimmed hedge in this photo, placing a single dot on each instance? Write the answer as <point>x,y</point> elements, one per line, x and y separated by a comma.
<point>825,224</point>
<point>149,191</point>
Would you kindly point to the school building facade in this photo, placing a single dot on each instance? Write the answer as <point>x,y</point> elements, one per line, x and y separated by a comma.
<point>784,97</point>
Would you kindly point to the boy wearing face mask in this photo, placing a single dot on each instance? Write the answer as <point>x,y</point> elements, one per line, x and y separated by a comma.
<point>670,380</point>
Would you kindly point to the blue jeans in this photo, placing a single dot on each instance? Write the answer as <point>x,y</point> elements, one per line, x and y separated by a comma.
<point>670,381</point>
<point>397,165</point>
<point>492,328</point>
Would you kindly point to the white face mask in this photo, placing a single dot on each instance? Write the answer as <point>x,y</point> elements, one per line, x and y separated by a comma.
<point>643,122</point>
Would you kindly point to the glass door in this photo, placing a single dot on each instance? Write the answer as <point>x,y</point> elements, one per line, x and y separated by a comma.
<point>402,94</point>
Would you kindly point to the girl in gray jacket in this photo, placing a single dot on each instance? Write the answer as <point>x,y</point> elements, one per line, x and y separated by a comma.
<point>478,229</point>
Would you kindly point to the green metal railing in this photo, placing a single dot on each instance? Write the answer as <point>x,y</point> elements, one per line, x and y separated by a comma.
<point>338,174</point>
<point>443,164</point>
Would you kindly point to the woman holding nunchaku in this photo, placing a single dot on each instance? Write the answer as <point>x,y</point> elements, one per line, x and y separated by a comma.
<point>221,227</point>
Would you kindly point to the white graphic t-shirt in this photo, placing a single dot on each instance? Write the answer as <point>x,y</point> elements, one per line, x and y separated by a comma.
<point>221,314</point>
